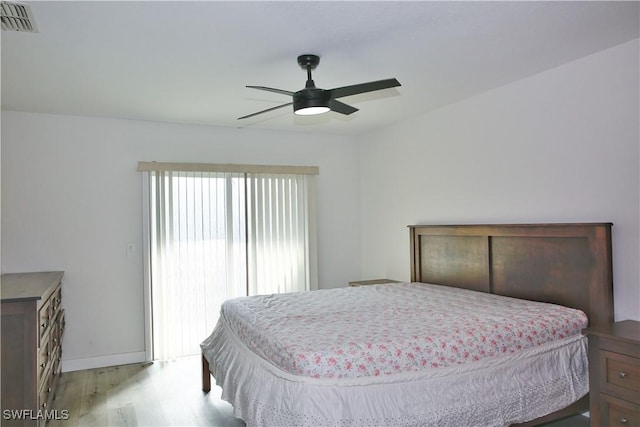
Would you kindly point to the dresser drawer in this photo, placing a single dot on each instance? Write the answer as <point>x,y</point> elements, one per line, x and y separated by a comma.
<point>622,372</point>
<point>621,375</point>
<point>44,359</point>
<point>61,325</point>
<point>56,300</point>
<point>44,319</point>
<point>617,412</point>
<point>46,394</point>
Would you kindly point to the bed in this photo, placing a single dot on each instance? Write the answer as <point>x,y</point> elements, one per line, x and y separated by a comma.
<point>279,362</point>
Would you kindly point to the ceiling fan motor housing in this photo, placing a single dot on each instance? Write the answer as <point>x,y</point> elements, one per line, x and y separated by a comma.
<point>307,98</point>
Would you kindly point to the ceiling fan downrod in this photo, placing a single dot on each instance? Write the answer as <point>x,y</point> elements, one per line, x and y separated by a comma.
<point>309,62</point>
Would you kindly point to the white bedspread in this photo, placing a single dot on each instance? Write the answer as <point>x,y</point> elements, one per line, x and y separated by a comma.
<point>400,354</point>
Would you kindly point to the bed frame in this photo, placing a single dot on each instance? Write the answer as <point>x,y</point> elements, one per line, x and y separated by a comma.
<point>567,264</point>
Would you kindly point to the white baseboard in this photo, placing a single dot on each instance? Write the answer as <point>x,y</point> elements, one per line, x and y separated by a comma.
<point>102,361</point>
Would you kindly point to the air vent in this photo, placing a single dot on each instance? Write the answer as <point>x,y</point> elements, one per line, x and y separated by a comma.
<point>18,17</point>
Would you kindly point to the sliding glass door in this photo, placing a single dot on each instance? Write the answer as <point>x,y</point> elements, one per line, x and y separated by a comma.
<point>220,235</point>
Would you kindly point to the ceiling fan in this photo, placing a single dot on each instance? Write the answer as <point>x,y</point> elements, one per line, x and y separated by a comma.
<point>312,100</point>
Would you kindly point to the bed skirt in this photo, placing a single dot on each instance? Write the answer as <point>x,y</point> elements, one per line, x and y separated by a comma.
<point>499,392</point>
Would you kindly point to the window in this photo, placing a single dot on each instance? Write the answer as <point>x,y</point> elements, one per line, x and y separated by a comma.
<point>216,234</point>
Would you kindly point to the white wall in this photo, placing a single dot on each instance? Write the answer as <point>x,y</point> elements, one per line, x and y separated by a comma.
<point>561,146</point>
<point>72,200</point>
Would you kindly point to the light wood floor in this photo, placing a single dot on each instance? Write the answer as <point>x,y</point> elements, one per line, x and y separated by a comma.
<point>155,394</point>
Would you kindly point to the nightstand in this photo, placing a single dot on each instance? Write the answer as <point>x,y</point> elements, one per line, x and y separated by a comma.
<point>614,374</point>
<point>372,282</point>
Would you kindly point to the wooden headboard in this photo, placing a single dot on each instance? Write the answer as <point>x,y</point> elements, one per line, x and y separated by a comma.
<point>567,264</point>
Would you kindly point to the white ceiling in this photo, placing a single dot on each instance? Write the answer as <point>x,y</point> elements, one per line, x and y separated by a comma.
<point>189,62</point>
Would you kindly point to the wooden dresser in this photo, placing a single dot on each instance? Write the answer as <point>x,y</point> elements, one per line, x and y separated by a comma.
<point>614,374</point>
<point>32,329</point>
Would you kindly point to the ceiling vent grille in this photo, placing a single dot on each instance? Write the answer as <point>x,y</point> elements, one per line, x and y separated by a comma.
<point>18,17</point>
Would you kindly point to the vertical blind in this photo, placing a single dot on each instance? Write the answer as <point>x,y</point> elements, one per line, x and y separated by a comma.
<point>220,235</point>
<point>278,260</point>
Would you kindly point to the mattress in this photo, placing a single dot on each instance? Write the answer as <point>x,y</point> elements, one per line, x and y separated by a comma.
<point>396,354</point>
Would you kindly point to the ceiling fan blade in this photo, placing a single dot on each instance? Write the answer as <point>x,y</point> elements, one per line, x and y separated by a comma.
<point>265,111</point>
<point>341,107</point>
<point>363,87</point>
<point>270,89</point>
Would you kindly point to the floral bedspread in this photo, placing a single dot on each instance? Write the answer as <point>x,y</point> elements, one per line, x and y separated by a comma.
<point>387,329</point>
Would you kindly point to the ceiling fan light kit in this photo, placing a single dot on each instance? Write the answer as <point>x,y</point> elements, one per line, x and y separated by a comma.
<point>311,111</point>
<point>312,100</point>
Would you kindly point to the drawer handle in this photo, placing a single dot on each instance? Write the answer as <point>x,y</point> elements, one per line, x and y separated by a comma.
<point>622,374</point>
<point>42,365</point>
<point>623,421</point>
<point>44,324</point>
